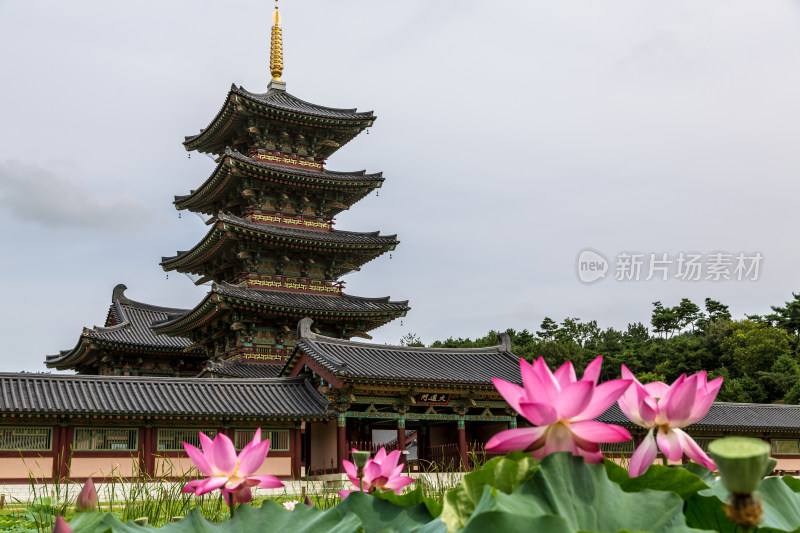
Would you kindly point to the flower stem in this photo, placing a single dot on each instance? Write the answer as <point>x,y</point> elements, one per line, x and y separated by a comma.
<point>230,503</point>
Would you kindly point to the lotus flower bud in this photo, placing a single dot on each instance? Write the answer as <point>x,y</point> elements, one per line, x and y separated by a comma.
<point>308,501</point>
<point>740,462</point>
<point>87,498</point>
<point>360,459</point>
<point>61,526</point>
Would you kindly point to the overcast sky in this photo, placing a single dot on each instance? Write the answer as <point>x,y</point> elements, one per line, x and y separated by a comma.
<point>512,136</point>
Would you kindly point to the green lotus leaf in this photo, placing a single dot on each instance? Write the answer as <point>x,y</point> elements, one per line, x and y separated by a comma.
<point>584,496</point>
<point>681,481</point>
<point>376,514</point>
<point>502,473</point>
<point>412,498</point>
<point>303,519</point>
<point>502,521</point>
<point>792,482</point>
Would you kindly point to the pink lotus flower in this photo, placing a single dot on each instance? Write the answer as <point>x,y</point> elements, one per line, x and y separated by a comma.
<point>290,505</point>
<point>380,473</point>
<point>87,498</point>
<point>563,410</point>
<point>61,526</point>
<point>227,471</point>
<point>668,408</point>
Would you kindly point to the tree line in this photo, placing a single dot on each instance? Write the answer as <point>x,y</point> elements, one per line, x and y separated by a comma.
<point>758,357</point>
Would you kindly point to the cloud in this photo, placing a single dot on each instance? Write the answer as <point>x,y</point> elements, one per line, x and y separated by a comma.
<point>36,195</point>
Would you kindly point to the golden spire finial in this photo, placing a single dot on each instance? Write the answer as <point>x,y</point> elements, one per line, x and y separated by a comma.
<point>276,46</point>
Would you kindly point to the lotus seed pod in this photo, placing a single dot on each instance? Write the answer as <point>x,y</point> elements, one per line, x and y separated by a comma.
<point>741,462</point>
<point>360,459</point>
<point>771,464</point>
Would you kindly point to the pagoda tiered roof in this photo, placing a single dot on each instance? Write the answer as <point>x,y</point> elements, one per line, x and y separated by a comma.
<point>341,125</point>
<point>127,329</point>
<point>234,167</point>
<point>222,240</point>
<point>44,394</point>
<point>352,360</point>
<point>225,298</point>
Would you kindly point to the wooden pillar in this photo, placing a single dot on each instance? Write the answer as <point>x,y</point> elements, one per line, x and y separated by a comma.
<point>422,444</point>
<point>341,439</point>
<point>151,465</point>
<point>295,447</point>
<point>56,473</point>
<point>401,436</point>
<point>147,463</point>
<point>142,451</point>
<point>64,451</point>
<point>306,436</point>
<point>462,442</point>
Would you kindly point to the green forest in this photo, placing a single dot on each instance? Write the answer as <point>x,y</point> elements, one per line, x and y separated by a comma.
<point>758,357</point>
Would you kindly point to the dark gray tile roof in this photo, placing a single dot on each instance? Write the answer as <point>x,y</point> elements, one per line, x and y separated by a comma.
<point>335,237</point>
<point>359,177</point>
<point>345,302</point>
<point>240,369</point>
<point>724,415</point>
<point>352,359</point>
<point>287,102</point>
<point>336,125</point>
<point>132,328</point>
<point>298,301</point>
<point>71,394</point>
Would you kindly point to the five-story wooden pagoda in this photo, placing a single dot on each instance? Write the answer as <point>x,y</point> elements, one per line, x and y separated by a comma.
<point>272,253</point>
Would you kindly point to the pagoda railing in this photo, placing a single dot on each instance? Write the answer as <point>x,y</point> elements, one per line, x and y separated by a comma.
<point>286,158</point>
<point>293,221</point>
<point>293,284</point>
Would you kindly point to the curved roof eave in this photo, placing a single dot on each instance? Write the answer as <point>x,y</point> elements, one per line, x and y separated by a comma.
<point>358,179</point>
<point>280,101</point>
<point>297,303</point>
<point>324,239</point>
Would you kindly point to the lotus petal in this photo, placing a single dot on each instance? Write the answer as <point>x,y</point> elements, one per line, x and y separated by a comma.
<point>644,455</point>
<point>669,444</point>
<point>603,397</point>
<point>592,372</point>
<point>693,451</point>
<point>539,414</point>
<point>510,392</point>
<point>516,439</point>
<point>573,399</point>
<point>594,431</point>
<point>565,375</point>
